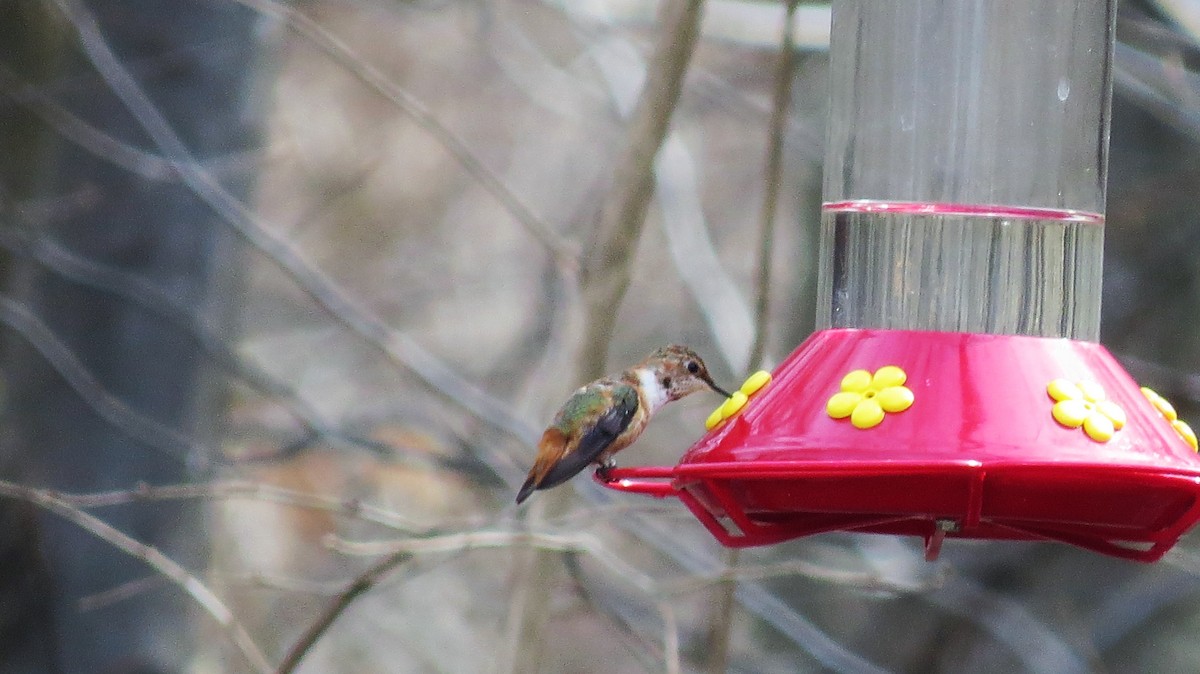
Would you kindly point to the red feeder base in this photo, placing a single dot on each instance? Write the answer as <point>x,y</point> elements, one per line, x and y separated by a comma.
<point>979,444</point>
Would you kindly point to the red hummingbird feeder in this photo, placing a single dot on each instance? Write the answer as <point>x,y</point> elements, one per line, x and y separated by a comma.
<point>957,389</point>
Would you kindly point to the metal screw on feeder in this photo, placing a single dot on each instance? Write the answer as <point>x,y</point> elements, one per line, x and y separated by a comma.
<point>956,389</point>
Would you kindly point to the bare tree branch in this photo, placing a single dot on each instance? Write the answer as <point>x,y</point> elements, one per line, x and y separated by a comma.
<point>87,136</point>
<point>352,508</point>
<point>138,426</point>
<point>469,540</point>
<point>788,621</point>
<point>364,582</point>
<point>122,592</point>
<point>563,249</point>
<point>399,551</point>
<point>164,565</point>
<point>865,581</point>
<point>109,279</point>
<point>670,637</point>
<point>623,214</point>
<point>394,345</point>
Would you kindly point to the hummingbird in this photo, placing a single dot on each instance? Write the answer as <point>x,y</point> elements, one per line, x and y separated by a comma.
<point>607,415</point>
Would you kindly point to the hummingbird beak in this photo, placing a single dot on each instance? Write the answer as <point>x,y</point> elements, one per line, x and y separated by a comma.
<point>718,389</point>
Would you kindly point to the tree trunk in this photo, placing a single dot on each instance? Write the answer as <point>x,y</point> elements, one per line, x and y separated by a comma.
<point>119,213</point>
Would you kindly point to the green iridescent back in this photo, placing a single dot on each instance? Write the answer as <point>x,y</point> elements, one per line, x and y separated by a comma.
<point>592,401</point>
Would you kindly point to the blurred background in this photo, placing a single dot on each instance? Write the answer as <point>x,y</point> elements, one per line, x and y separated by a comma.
<point>289,290</point>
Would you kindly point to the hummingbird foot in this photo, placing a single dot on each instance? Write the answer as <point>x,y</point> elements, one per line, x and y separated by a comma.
<point>605,469</point>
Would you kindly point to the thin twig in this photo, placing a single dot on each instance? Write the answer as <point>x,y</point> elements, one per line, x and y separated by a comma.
<point>785,619</point>
<point>399,551</point>
<point>69,266</point>
<point>250,490</point>
<point>150,555</point>
<point>460,542</point>
<point>133,423</point>
<point>780,615</point>
<point>394,345</point>
<point>556,543</point>
<point>608,267</point>
<point>859,580</point>
<point>147,165</point>
<point>564,250</point>
<point>626,618</point>
<point>271,581</point>
<point>121,593</point>
<point>365,581</point>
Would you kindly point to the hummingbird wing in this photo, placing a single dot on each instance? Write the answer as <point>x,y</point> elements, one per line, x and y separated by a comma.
<point>558,461</point>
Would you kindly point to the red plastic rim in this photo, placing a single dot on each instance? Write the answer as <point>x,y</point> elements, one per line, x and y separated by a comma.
<point>978,453</point>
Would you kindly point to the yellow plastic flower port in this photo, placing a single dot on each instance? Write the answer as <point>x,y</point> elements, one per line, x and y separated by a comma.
<point>1167,410</point>
<point>1085,404</point>
<point>867,398</point>
<point>734,403</point>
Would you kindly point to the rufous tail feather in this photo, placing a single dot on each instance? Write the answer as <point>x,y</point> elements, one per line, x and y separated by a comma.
<point>550,450</point>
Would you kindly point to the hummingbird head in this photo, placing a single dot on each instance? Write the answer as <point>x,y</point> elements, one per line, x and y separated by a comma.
<point>680,371</point>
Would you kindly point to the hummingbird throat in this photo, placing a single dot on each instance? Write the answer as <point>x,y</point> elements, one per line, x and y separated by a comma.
<point>652,388</point>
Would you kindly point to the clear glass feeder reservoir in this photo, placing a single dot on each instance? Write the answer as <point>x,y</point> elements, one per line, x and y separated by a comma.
<point>957,389</point>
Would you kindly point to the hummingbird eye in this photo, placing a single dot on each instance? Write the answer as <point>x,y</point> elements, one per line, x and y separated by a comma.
<point>693,367</point>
